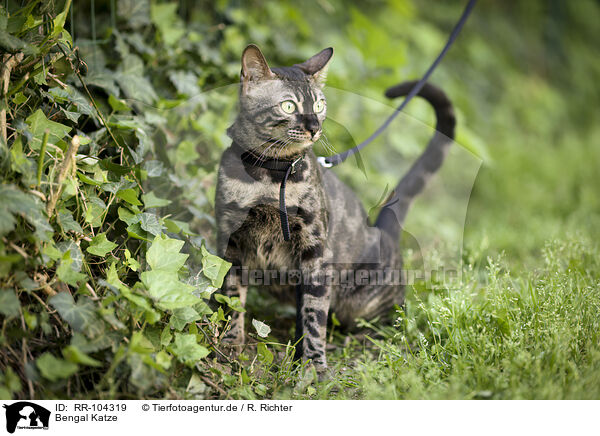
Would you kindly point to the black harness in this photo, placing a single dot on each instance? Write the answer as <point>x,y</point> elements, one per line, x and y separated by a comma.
<point>287,167</point>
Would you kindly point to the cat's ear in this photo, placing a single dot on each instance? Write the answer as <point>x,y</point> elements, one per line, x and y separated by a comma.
<point>254,65</point>
<point>317,65</point>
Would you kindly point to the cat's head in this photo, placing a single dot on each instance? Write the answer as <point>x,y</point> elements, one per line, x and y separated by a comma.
<point>281,109</point>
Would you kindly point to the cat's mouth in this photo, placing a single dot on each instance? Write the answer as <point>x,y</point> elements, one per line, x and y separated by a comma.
<point>303,138</point>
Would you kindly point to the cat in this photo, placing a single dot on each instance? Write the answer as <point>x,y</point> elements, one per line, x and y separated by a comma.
<point>281,114</point>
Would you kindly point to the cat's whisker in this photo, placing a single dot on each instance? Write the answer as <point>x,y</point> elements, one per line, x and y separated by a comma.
<point>329,144</point>
<point>280,149</point>
<point>275,141</point>
<point>327,147</point>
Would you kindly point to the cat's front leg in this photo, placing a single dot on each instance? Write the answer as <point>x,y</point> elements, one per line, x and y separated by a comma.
<point>233,287</point>
<point>314,297</point>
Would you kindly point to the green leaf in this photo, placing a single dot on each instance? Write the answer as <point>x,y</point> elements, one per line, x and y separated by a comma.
<point>13,44</point>
<point>100,245</point>
<point>262,329</point>
<point>66,273</point>
<point>167,291</point>
<point>67,223</point>
<point>136,12</point>
<point>214,267</point>
<point>131,261</point>
<point>136,231</point>
<point>54,368</point>
<point>186,82</point>
<point>187,349</point>
<point>95,210</point>
<point>117,104</point>
<point>166,336</point>
<point>264,355</point>
<point>130,196</point>
<point>75,97</point>
<point>81,316</point>
<point>176,226</point>
<point>112,279</point>
<point>88,180</point>
<point>149,222</point>
<point>164,254</point>
<point>181,317</point>
<point>165,18</point>
<point>38,124</point>
<point>140,343</point>
<point>233,302</point>
<point>16,202</point>
<point>130,77</point>
<point>75,355</point>
<point>150,200</point>
<point>9,303</point>
<point>164,359</point>
<point>11,380</point>
<point>127,216</point>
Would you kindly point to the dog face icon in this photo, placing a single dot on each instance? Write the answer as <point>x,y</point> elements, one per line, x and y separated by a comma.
<point>26,414</point>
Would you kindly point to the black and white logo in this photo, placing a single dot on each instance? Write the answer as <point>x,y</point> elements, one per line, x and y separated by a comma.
<point>25,415</point>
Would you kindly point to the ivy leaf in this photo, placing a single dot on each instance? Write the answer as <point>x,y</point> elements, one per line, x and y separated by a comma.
<point>9,42</point>
<point>214,267</point>
<point>67,223</point>
<point>54,368</point>
<point>164,254</point>
<point>16,202</point>
<point>233,302</point>
<point>71,116</point>
<point>75,97</point>
<point>130,196</point>
<point>149,222</point>
<point>103,78</point>
<point>262,329</point>
<point>38,124</point>
<point>130,77</point>
<point>264,355</point>
<point>150,200</point>
<point>186,82</point>
<point>167,291</point>
<point>9,303</point>
<point>117,104</point>
<point>81,316</point>
<point>75,355</point>
<point>165,18</point>
<point>136,231</point>
<point>100,245</point>
<point>69,246</point>
<point>187,349</point>
<point>128,217</point>
<point>95,210</point>
<point>137,12</point>
<point>112,279</point>
<point>87,180</point>
<point>163,359</point>
<point>183,316</point>
<point>66,273</point>
<point>166,336</point>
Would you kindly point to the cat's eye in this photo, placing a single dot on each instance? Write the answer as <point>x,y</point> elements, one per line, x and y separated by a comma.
<point>288,106</point>
<point>319,106</point>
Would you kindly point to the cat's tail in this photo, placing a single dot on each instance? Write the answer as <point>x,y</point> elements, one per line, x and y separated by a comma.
<point>393,213</point>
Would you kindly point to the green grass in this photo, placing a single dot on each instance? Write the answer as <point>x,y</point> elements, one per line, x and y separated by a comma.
<point>495,334</point>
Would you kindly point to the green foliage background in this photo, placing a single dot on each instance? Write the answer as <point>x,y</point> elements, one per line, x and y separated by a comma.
<point>108,173</point>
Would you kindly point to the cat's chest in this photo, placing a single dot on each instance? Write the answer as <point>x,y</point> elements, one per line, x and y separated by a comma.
<point>248,213</point>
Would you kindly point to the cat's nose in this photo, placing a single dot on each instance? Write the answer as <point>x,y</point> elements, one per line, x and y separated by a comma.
<point>311,123</point>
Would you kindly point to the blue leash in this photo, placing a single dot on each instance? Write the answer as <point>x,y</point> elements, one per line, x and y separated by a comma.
<point>336,159</point>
